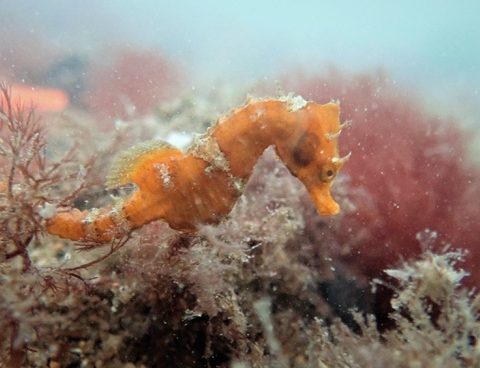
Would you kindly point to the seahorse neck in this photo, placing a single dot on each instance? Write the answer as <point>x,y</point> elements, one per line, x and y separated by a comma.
<point>247,132</point>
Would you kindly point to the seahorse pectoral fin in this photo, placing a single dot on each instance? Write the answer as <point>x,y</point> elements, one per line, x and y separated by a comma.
<point>323,200</point>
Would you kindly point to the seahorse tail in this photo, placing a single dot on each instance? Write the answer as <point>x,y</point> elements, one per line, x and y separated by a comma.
<point>97,225</point>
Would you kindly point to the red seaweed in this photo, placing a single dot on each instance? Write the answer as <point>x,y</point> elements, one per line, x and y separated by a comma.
<point>409,171</point>
<point>131,85</point>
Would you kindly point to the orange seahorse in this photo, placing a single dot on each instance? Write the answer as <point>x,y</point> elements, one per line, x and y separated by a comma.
<point>202,184</point>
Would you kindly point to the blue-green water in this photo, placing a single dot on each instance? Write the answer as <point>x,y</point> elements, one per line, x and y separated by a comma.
<point>431,45</point>
<point>421,41</point>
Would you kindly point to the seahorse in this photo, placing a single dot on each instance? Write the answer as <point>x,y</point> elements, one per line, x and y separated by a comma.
<point>202,184</point>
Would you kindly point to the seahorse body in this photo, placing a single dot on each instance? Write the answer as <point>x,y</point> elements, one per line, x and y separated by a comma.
<point>202,184</point>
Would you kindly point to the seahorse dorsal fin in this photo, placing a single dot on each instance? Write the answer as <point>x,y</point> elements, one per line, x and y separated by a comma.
<point>125,167</point>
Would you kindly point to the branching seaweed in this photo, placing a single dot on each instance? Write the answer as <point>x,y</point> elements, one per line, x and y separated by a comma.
<point>32,186</point>
<point>30,189</point>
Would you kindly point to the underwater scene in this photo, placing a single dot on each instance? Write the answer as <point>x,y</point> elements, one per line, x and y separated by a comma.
<point>240,185</point>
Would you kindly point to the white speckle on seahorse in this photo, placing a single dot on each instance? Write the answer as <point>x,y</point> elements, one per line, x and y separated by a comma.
<point>257,114</point>
<point>164,174</point>
<point>294,103</point>
<point>206,148</point>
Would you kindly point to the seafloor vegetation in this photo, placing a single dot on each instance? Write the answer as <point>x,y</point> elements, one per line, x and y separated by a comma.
<point>274,285</point>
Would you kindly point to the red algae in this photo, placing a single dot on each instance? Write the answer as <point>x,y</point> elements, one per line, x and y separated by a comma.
<point>410,170</point>
<point>132,85</point>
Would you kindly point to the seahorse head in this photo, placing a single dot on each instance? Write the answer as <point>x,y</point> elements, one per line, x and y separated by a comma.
<point>312,154</point>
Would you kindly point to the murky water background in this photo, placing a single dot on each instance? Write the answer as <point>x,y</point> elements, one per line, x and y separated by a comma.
<point>431,45</point>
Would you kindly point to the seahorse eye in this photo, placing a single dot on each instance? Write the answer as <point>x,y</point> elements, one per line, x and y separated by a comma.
<point>327,174</point>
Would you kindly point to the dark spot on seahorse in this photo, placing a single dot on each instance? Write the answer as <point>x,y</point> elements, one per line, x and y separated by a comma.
<point>304,151</point>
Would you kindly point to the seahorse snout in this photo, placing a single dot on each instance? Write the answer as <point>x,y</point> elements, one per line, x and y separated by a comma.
<point>323,200</point>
